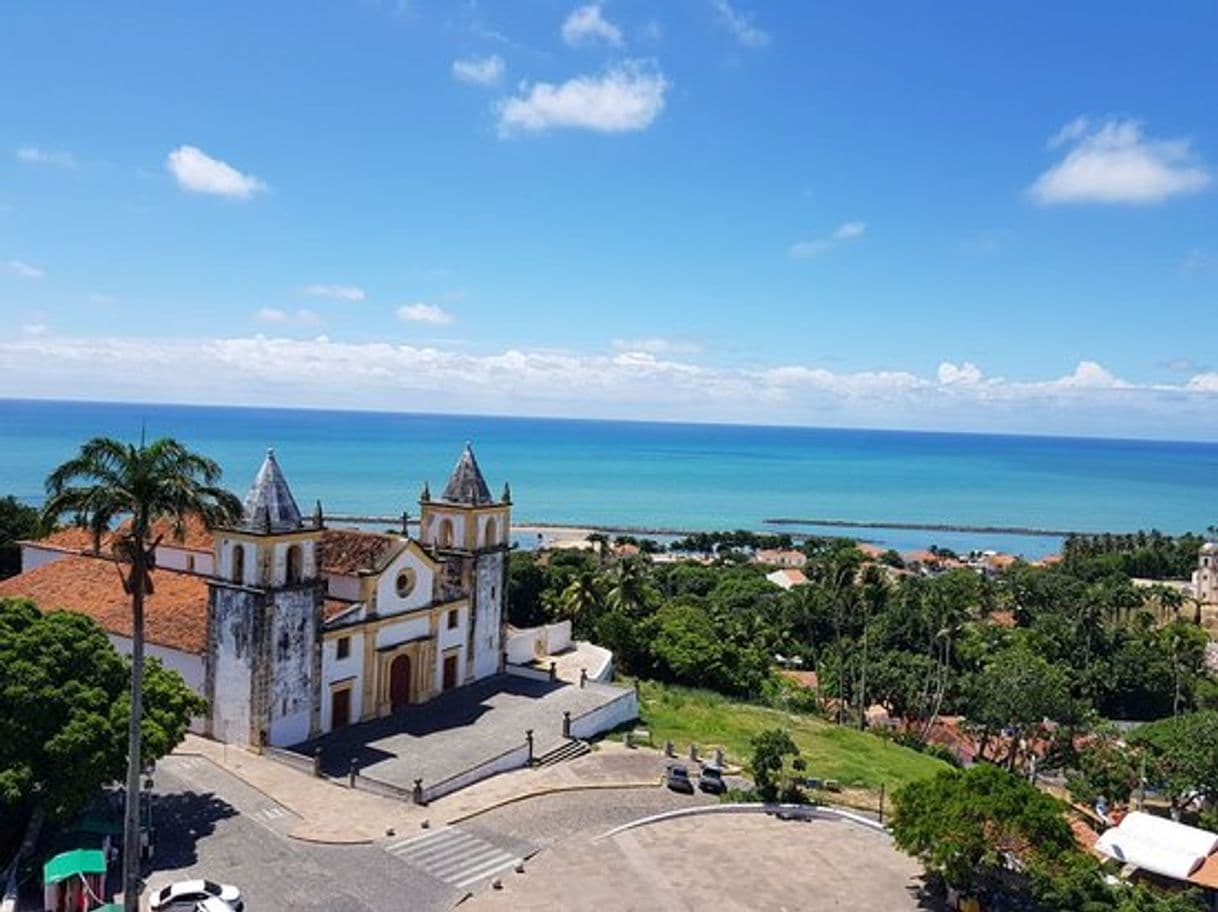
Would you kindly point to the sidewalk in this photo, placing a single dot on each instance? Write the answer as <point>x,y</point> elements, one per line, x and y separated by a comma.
<point>332,813</point>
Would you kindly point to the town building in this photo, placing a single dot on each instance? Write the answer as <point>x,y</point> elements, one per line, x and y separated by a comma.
<point>291,629</point>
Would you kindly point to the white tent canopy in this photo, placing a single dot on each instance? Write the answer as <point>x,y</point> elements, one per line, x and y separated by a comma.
<point>1158,845</point>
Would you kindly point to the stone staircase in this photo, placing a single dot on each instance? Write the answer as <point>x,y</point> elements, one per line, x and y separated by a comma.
<point>567,750</point>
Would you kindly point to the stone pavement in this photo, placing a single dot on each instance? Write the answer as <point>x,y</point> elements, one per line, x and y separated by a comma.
<point>732,863</point>
<point>458,730</point>
<point>329,812</point>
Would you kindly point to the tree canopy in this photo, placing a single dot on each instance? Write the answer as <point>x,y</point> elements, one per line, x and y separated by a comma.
<point>64,706</point>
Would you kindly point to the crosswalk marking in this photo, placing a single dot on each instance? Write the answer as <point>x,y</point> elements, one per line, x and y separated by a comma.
<point>454,856</point>
<point>271,813</point>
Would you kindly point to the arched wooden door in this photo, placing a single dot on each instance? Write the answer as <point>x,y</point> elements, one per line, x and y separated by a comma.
<point>399,682</point>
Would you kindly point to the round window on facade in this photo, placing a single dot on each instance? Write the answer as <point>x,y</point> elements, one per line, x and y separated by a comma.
<point>405,583</point>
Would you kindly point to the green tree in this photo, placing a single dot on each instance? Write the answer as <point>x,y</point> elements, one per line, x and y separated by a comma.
<point>628,587</point>
<point>1107,767</point>
<point>581,600</point>
<point>107,481</point>
<point>64,706</point>
<point>526,583</point>
<point>17,521</point>
<point>973,827</point>
<point>771,748</point>
<point>1182,756</point>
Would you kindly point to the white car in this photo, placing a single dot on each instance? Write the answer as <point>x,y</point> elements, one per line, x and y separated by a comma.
<point>179,895</point>
<point>213,904</point>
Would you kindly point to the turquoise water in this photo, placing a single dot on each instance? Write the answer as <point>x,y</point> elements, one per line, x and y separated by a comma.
<point>667,475</point>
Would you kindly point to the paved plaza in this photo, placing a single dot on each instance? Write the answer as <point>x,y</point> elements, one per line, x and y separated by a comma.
<point>730,862</point>
<point>458,730</point>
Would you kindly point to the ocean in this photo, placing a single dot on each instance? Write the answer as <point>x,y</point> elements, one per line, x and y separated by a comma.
<point>679,476</point>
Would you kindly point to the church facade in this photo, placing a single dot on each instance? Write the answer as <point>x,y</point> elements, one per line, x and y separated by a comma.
<point>310,629</point>
<point>290,628</point>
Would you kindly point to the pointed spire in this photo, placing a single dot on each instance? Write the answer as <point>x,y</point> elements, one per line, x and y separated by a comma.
<point>425,494</point>
<point>319,517</point>
<point>507,494</point>
<point>466,484</point>
<point>269,505</point>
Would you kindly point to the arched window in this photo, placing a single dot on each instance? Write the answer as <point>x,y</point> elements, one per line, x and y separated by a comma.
<point>490,533</point>
<point>445,537</point>
<point>294,571</point>
<point>238,563</point>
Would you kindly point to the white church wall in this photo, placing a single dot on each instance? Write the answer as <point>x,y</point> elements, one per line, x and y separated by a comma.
<point>488,620</point>
<point>290,696</point>
<point>394,634</point>
<point>232,660</point>
<point>34,556</point>
<point>388,602</point>
<point>185,559</point>
<point>334,669</point>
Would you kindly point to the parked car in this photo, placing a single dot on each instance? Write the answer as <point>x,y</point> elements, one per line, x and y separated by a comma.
<point>677,778</point>
<point>180,894</point>
<point>711,781</point>
<point>213,904</point>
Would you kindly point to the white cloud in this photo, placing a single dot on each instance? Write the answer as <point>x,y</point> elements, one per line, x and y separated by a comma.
<point>34,329</point>
<point>740,25</point>
<point>485,71</point>
<point>197,172</point>
<point>278,315</point>
<point>850,230</point>
<point>33,155</point>
<point>336,292</point>
<point>847,231</point>
<point>586,25</point>
<point>629,96</point>
<point>966,374</point>
<point>632,384</point>
<point>657,345</point>
<point>424,313</point>
<point>272,315</point>
<point>1115,162</point>
<point>24,270</point>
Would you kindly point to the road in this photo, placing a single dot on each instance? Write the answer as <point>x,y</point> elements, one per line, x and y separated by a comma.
<point>210,824</point>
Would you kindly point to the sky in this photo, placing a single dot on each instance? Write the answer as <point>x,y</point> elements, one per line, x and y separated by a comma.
<point>949,215</point>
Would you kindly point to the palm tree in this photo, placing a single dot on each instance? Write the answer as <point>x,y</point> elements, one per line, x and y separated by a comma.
<point>581,600</point>
<point>629,588</point>
<point>161,482</point>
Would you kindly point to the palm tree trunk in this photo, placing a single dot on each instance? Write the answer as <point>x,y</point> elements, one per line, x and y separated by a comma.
<point>131,821</point>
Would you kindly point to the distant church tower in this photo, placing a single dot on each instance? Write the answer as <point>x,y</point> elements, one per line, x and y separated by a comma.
<point>1205,578</point>
<point>471,532</point>
<point>263,667</point>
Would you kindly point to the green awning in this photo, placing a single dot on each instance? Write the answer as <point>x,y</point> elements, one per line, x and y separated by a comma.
<point>70,864</point>
<point>110,907</point>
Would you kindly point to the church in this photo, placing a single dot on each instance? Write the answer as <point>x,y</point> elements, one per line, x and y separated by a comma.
<point>291,629</point>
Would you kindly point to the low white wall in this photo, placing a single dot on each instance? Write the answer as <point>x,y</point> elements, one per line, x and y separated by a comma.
<point>602,670</point>
<point>510,760</point>
<point>523,646</point>
<point>603,718</point>
<point>523,671</point>
<point>33,557</point>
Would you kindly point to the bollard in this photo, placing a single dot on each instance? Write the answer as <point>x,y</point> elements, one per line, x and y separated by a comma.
<point>693,752</point>
<point>528,737</point>
<point>583,678</point>
<point>630,739</point>
<point>719,757</point>
<point>352,772</point>
<point>669,750</point>
<point>553,671</point>
<point>317,761</point>
<point>881,802</point>
<point>418,791</point>
<point>566,723</point>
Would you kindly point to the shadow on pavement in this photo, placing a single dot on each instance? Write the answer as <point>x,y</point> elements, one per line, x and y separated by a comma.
<point>182,819</point>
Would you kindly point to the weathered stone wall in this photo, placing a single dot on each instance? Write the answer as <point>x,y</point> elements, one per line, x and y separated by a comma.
<point>293,684</point>
<point>232,645</point>
<point>488,605</point>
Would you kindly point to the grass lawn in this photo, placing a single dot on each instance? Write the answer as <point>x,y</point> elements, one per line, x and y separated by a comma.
<point>854,758</point>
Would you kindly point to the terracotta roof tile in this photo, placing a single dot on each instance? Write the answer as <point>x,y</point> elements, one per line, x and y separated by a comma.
<point>175,614</point>
<point>333,607</point>
<point>348,551</point>
<point>195,537</point>
<point>71,538</point>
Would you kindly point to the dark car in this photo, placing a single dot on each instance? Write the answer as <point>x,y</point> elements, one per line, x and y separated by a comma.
<point>711,781</point>
<point>677,779</point>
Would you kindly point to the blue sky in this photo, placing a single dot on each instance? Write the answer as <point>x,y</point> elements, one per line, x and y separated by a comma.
<point>948,215</point>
